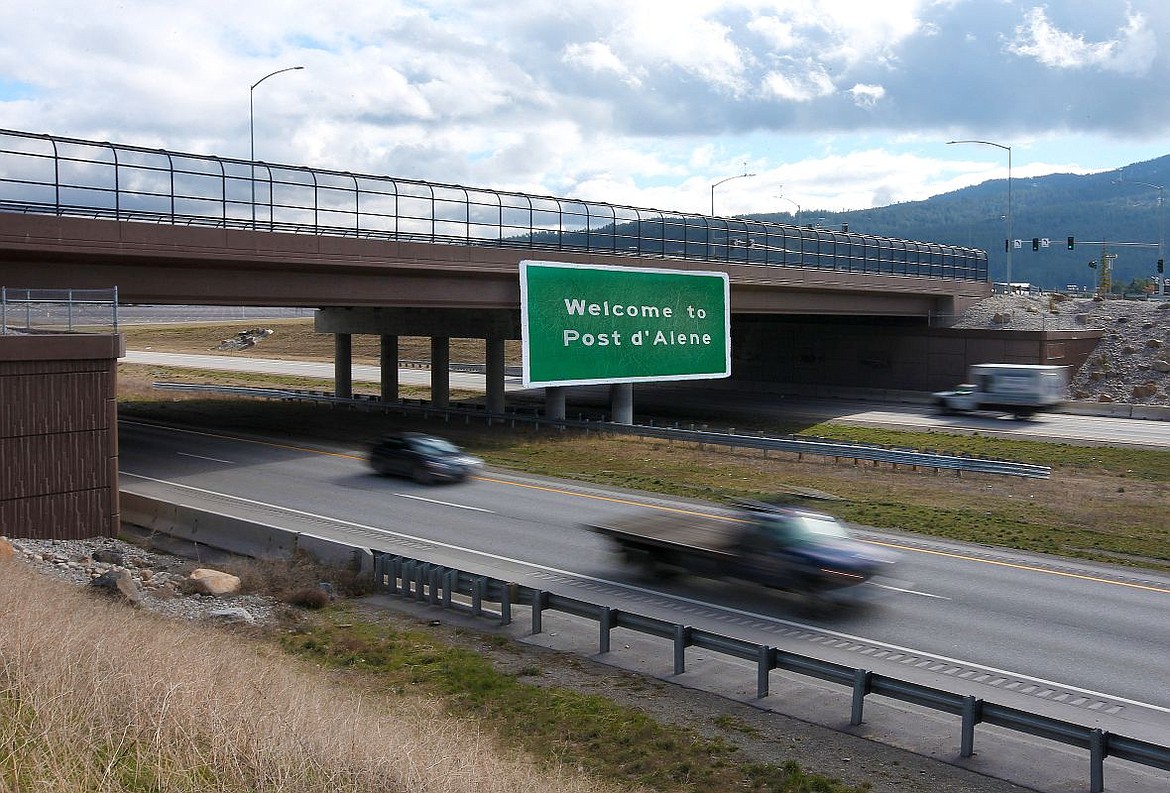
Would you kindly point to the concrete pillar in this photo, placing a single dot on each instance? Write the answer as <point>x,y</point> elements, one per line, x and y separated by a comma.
<point>388,358</point>
<point>494,368</point>
<point>342,365</point>
<point>440,371</point>
<point>554,402</point>
<point>621,403</point>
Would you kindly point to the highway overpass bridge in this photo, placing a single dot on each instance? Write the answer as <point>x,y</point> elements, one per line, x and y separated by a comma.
<point>394,257</point>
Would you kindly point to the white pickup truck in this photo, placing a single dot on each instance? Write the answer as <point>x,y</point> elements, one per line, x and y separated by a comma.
<point>1016,388</point>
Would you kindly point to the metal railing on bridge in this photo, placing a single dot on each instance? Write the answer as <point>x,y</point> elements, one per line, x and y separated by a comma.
<point>46,174</point>
<point>58,310</point>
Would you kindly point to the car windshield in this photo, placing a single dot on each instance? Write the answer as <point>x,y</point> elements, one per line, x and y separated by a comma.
<point>814,528</point>
<point>435,446</point>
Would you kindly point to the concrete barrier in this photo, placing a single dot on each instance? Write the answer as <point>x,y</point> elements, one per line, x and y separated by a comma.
<point>335,553</point>
<point>1119,410</point>
<point>238,536</point>
<point>212,529</point>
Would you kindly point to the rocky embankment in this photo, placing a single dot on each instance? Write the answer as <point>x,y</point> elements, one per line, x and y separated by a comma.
<point>1131,363</point>
<point>169,585</point>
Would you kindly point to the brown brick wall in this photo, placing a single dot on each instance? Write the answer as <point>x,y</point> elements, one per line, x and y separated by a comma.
<point>59,435</point>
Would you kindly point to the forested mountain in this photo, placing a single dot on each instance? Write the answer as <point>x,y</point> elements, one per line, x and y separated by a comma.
<point>1121,208</point>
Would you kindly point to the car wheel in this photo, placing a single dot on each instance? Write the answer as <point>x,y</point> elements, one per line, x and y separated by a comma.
<point>422,475</point>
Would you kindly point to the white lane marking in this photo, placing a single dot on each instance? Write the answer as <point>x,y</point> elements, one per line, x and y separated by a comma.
<point>201,457</point>
<point>446,503</point>
<point>910,591</point>
<point>651,592</point>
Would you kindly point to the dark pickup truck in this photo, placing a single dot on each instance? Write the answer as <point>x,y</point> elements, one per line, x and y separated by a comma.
<point>778,546</point>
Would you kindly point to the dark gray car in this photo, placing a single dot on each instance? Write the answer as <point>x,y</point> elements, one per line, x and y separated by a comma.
<point>424,458</point>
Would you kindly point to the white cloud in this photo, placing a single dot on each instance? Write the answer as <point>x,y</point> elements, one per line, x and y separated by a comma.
<point>1130,51</point>
<point>867,95</point>
<point>802,84</point>
<point>600,58</point>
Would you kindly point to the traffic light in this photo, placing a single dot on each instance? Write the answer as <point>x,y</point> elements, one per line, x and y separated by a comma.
<point>1035,243</point>
<point>1161,265</point>
<point>1070,243</point>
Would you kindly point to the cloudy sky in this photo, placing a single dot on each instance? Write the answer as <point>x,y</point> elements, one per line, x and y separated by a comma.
<point>831,104</point>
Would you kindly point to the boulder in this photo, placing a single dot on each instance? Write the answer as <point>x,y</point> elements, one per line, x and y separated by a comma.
<point>234,614</point>
<point>109,556</point>
<point>214,582</point>
<point>119,584</point>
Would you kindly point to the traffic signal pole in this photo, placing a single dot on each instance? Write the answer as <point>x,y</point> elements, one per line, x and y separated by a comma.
<point>1104,264</point>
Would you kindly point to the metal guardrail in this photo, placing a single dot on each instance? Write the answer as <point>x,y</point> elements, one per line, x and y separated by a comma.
<point>57,310</point>
<point>799,446</point>
<point>47,174</point>
<point>468,592</point>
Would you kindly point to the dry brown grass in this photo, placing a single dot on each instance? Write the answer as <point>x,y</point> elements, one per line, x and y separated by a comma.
<point>97,697</point>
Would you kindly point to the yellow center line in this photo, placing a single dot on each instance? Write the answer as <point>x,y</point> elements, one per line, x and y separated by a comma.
<point>1027,568</point>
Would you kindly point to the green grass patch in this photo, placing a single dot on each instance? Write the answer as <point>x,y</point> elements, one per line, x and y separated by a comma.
<point>553,723</point>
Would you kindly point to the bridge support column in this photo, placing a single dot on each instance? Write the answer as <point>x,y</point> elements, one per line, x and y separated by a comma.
<point>388,360</point>
<point>342,365</point>
<point>621,403</point>
<point>554,402</point>
<point>440,371</point>
<point>494,370</point>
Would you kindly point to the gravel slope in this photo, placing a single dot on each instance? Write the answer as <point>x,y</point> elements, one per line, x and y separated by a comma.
<point>1132,361</point>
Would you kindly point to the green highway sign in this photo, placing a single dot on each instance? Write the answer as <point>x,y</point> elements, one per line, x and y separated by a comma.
<point>584,324</point>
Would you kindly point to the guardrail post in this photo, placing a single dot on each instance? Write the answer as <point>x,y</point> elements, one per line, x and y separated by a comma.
<point>420,581</point>
<point>972,715</point>
<point>763,667</point>
<point>604,624</point>
<point>1097,744</point>
<point>539,598</point>
<point>408,566</point>
<point>506,604</point>
<point>452,580</point>
<point>477,587</point>
<point>862,679</point>
<point>682,637</point>
<point>436,574</point>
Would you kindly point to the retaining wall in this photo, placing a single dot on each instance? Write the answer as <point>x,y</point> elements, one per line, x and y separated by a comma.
<point>59,435</point>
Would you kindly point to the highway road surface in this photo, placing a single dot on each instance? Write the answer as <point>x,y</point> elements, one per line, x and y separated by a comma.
<point>1081,640</point>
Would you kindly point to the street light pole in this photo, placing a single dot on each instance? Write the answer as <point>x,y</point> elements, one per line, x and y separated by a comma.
<point>252,130</point>
<point>796,217</point>
<point>728,179</point>
<point>1010,241</point>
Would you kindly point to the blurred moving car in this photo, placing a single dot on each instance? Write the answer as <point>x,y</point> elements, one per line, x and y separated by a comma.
<point>423,458</point>
<point>783,547</point>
